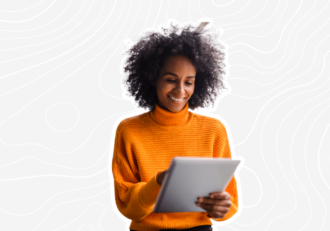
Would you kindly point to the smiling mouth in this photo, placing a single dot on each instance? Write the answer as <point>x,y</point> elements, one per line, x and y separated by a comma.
<point>175,99</point>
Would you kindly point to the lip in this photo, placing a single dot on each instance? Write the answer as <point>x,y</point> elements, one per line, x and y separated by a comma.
<point>177,97</point>
<point>177,102</point>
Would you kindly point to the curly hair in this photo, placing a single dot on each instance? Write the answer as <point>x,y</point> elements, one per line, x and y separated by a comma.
<point>147,56</point>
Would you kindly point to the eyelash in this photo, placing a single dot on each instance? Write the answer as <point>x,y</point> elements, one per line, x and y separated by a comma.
<point>172,81</point>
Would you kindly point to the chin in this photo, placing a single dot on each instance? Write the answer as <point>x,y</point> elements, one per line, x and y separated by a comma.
<point>176,108</point>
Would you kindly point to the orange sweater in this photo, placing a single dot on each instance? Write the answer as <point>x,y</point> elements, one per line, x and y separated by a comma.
<point>145,145</point>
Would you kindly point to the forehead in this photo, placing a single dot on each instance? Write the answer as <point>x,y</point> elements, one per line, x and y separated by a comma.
<point>178,63</point>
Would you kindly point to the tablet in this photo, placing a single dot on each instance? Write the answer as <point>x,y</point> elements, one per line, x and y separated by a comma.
<point>191,177</point>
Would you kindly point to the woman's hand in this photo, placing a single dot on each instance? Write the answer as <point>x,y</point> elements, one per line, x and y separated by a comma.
<point>160,177</point>
<point>218,206</point>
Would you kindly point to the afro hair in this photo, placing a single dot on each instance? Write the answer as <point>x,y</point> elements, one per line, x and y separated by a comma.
<point>146,57</point>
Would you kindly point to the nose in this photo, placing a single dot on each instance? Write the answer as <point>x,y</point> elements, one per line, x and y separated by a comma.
<point>180,88</point>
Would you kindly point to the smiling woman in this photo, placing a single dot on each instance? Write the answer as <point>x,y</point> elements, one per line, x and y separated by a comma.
<point>176,83</point>
<point>168,73</point>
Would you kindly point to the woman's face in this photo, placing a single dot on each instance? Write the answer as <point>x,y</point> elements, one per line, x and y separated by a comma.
<point>176,83</point>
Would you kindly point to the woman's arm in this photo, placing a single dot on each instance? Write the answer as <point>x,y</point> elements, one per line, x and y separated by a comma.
<point>134,199</point>
<point>222,150</point>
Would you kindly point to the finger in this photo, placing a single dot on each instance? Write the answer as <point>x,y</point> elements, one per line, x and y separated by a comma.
<point>213,208</point>
<point>220,195</point>
<point>217,215</point>
<point>207,200</point>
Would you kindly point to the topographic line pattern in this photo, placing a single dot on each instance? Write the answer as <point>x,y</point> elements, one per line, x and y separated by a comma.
<point>61,98</point>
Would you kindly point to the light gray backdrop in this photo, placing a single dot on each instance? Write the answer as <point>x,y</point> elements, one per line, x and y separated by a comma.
<point>61,98</point>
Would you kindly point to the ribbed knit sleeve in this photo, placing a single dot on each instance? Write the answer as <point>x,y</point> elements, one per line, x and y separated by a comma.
<point>134,199</point>
<point>222,150</point>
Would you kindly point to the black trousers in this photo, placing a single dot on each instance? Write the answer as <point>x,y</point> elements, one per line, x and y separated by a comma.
<point>197,228</point>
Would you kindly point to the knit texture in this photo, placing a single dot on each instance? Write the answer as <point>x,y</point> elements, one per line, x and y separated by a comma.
<point>145,145</point>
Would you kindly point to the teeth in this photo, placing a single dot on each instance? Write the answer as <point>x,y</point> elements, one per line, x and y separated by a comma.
<point>178,100</point>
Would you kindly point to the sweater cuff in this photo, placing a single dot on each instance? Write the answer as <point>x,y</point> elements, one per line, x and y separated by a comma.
<point>148,194</point>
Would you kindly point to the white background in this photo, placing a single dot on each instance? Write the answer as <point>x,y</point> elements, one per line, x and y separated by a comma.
<point>61,97</point>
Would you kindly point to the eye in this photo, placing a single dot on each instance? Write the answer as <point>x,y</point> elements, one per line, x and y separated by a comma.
<point>172,81</point>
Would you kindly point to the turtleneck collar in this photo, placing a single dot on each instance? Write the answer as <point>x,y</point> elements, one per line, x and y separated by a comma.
<point>165,117</point>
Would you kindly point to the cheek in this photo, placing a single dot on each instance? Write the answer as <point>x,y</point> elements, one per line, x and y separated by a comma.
<point>163,89</point>
<point>160,92</point>
<point>191,90</point>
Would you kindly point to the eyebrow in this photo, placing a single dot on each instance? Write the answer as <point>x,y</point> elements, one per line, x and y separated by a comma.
<point>170,73</point>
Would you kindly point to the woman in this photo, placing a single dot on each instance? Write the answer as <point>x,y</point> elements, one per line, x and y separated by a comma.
<point>168,73</point>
